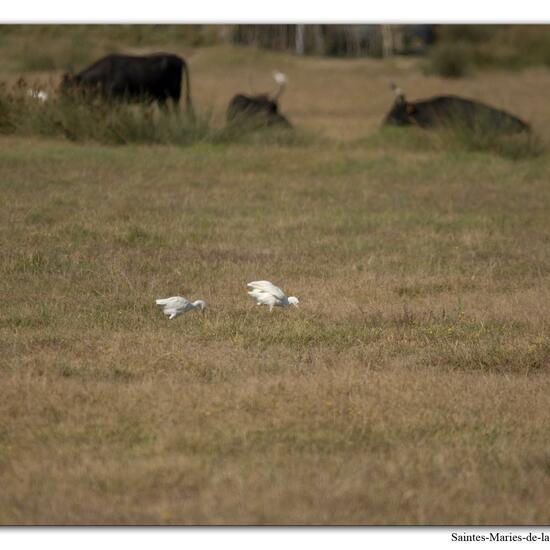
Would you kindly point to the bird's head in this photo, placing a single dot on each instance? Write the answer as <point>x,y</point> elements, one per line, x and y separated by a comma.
<point>201,304</point>
<point>293,301</point>
<point>280,78</point>
<point>282,81</point>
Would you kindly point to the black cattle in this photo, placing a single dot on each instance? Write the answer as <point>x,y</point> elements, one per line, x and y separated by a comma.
<point>258,110</point>
<point>148,78</point>
<point>451,110</point>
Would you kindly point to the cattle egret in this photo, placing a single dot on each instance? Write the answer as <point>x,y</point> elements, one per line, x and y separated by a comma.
<point>396,90</point>
<point>270,295</point>
<point>280,78</point>
<point>176,305</point>
<point>41,95</point>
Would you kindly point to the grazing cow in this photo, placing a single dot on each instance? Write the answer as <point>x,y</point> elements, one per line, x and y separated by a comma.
<point>259,110</point>
<point>147,78</point>
<point>448,110</point>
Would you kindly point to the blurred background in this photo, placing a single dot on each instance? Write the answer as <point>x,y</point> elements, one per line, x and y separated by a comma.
<point>339,75</point>
<point>450,50</point>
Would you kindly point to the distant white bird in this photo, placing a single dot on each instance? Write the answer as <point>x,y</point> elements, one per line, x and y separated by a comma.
<point>270,295</point>
<point>176,305</point>
<point>280,78</point>
<point>41,95</point>
<point>281,81</point>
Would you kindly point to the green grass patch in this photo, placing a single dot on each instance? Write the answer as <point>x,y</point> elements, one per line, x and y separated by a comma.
<point>86,118</point>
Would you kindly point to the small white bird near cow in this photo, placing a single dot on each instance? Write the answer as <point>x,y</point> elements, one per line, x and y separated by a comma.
<point>280,78</point>
<point>41,95</point>
<point>266,293</point>
<point>176,305</point>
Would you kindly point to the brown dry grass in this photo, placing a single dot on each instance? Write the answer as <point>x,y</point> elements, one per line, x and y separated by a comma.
<point>411,386</point>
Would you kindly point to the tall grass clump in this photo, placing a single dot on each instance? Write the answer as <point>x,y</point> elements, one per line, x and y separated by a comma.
<point>476,129</point>
<point>477,135</point>
<point>258,132</point>
<point>86,118</point>
<point>482,135</point>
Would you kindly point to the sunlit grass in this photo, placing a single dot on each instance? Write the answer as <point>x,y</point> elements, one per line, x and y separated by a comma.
<point>410,386</point>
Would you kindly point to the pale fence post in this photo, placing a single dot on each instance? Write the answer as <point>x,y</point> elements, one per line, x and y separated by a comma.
<point>387,40</point>
<point>300,39</point>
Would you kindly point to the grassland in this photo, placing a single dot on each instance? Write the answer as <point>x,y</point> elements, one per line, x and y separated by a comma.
<point>411,387</point>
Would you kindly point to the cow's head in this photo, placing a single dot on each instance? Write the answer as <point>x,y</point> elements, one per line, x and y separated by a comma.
<point>402,111</point>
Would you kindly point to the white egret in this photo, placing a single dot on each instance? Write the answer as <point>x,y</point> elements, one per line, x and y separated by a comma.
<point>280,78</point>
<point>281,81</point>
<point>41,95</point>
<point>176,305</point>
<point>265,292</point>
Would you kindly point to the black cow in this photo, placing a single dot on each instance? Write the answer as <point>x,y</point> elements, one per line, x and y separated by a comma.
<point>155,77</point>
<point>451,110</point>
<point>258,110</point>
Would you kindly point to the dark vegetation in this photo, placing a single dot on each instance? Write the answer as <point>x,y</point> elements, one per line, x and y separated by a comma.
<point>460,50</point>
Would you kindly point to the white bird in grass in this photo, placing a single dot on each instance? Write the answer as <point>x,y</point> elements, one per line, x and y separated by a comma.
<point>41,95</point>
<point>270,295</point>
<point>176,305</point>
<point>280,78</point>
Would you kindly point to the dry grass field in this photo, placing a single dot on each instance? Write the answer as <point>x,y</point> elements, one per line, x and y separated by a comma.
<point>410,387</point>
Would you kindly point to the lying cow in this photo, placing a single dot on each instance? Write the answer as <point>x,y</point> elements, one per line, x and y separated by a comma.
<point>155,77</point>
<point>448,110</point>
<point>259,110</point>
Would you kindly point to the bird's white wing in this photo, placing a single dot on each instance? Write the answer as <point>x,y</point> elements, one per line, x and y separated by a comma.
<point>172,302</point>
<point>266,286</point>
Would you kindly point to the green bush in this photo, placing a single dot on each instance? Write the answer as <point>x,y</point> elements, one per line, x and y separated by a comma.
<point>81,118</point>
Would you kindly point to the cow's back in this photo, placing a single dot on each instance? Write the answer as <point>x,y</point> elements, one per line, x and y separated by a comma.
<point>157,75</point>
<point>445,110</point>
<point>242,105</point>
